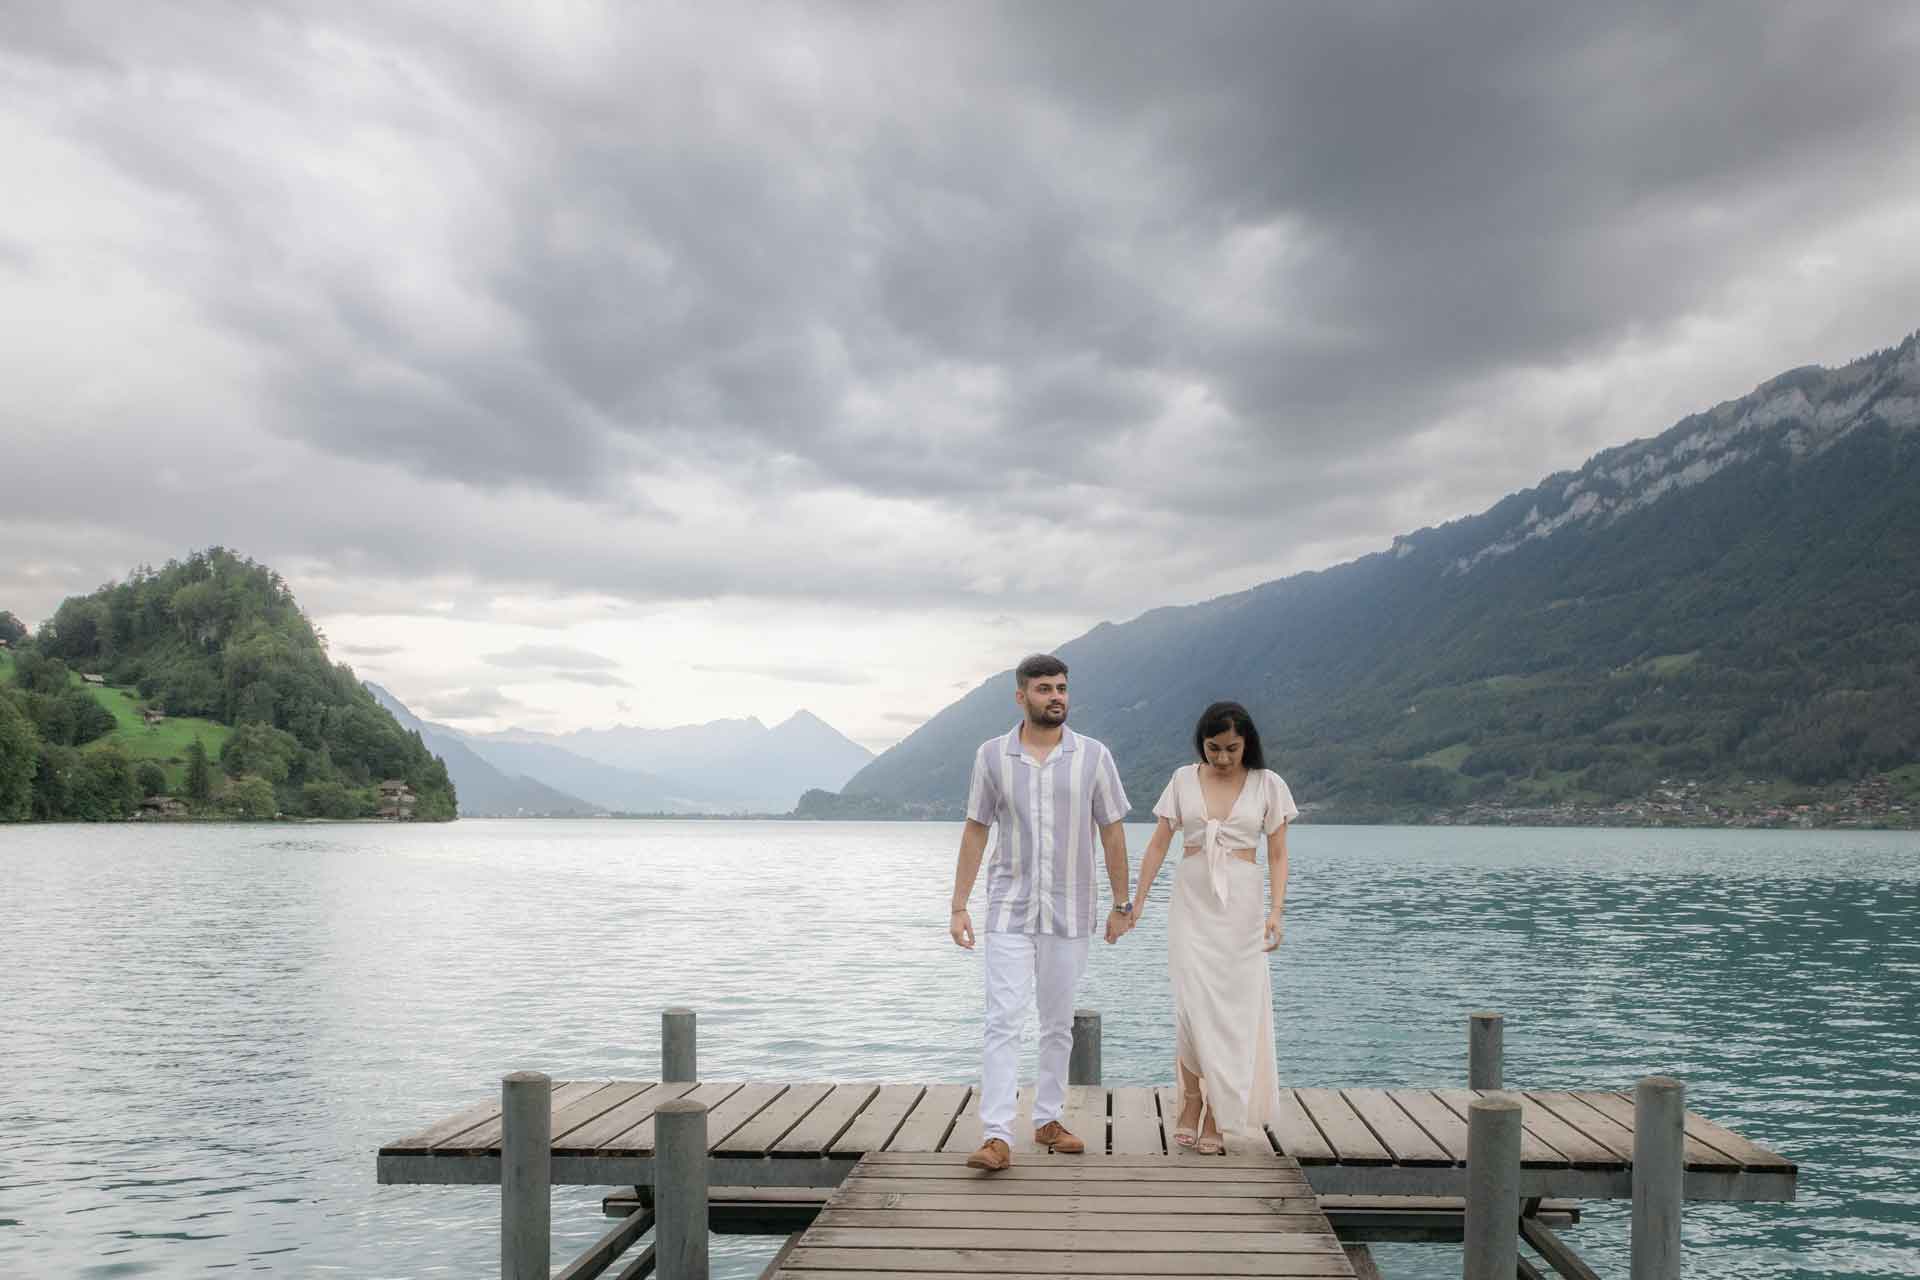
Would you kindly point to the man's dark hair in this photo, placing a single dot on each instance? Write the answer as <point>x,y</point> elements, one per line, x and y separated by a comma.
<point>1033,666</point>
<point>1219,718</point>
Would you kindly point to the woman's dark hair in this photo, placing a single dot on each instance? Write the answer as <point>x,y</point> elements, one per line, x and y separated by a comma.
<point>1219,718</point>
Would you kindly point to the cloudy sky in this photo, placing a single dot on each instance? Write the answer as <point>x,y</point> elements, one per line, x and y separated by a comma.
<point>581,363</point>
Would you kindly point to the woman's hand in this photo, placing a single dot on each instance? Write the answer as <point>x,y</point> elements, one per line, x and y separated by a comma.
<point>1275,931</point>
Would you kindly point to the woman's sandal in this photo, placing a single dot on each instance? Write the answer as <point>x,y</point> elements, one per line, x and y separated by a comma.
<point>1211,1144</point>
<point>1187,1135</point>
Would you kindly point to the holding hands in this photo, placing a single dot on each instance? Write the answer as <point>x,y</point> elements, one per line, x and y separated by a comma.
<point>1119,925</point>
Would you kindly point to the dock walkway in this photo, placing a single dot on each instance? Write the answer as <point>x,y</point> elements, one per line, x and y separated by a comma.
<point>927,1215</point>
<point>1410,1142</point>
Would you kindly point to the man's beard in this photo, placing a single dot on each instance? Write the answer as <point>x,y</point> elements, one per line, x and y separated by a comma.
<point>1044,718</point>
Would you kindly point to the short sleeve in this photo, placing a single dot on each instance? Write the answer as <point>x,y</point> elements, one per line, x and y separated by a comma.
<point>1109,797</point>
<point>1280,806</point>
<point>983,792</point>
<point>1168,805</point>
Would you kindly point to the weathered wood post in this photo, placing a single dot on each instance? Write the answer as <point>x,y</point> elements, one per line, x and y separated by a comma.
<point>1493,1189</point>
<point>679,1060</point>
<point>680,1189</point>
<point>1485,1053</point>
<point>1659,1174</point>
<point>1083,1065</point>
<point>526,1176</point>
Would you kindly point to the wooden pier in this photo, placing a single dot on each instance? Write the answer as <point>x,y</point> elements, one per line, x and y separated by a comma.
<point>874,1174</point>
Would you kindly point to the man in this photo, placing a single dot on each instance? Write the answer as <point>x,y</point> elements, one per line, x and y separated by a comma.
<point>1048,791</point>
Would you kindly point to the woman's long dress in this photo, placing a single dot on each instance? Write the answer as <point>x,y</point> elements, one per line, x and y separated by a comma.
<point>1216,949</point>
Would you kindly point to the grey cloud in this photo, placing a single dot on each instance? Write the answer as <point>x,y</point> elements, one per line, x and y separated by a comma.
<point>599,679</point>
<point>478,702</point>
<point>552,655</point>
<point>905,717</point>
<point>1077,280</point>
<point>370,650</point>
<point>797,674</point>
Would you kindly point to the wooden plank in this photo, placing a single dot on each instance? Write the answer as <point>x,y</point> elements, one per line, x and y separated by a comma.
<point>603,1129</point>
<point>927,1125</point>
<point>1395,1129</point>
<point>1136,1122</point>
<point>595,1105</point>
<point>1144,1186</point>
<point>1619,1109</point>
<point>485,1137</point>
<point>1265,1162</point>
<point>1054,1219</point>
<point>1593,1125</point>
<point>1436,1120</point>
<point>1746,1152</point>
<point>1166,1102</point>
<point>971,1263</point>
<point>640,1137</point>
<point>1095,1242</point>
<point>1294,1134</point>
<point>878,1121</point>
<point>1085,1116</point>
<point>1534,1153</point>
<point>757,1136</point>
<point>740,1106</point>
<point>1348,1135</point>
<point>965,1136</point>
<point>1198,1172</point>
<point>1581,1150</point>
<point>826,1122</point>
<point>419,1144</point>
<point>1017,1200</point>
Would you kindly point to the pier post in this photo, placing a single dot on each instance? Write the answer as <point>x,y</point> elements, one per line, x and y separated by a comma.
<point>1659,1172</point>
<point>526,1176</point>
<point>1083,1065</point>
<point>1485,1053</point>
<point>679,1060</point>
<point>680,1189</point>
<point>1493,1189</point>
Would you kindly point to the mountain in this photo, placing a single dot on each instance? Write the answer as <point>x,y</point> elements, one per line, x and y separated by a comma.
<point>723,766</point>
<point>217,638</point>
<point>1735,601</point>
<point>485,792</point>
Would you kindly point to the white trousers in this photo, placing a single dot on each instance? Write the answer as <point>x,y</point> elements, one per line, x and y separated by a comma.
<point>1025,969</point>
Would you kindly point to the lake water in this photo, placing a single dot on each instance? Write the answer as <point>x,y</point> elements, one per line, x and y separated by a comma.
<point>209,1029</point>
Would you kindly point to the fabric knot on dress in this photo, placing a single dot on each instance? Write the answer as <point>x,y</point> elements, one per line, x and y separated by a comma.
<point>1216,859</point>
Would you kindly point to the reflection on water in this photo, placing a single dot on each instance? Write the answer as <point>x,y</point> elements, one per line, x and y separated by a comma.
<point>210,1029</point>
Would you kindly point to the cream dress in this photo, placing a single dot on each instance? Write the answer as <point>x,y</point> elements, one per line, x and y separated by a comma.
<point>1216,947</point>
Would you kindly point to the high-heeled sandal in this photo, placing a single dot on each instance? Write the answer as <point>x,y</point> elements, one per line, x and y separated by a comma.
<point>1187,1135</point>
<point>1208,1144</point>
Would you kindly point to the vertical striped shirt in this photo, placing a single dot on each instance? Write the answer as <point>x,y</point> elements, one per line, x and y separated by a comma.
<point>1046,817</point>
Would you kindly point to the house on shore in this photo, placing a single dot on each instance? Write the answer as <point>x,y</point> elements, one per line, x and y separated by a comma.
<point>396,800</point>
<point>152,715</point>
<point>94,678</point>
<point>162,807</point>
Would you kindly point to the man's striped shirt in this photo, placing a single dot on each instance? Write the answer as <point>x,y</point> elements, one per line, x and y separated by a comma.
<point>1046,817</point>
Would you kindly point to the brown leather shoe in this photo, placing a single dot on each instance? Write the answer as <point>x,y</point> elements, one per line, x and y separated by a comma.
<point>993,1156</point>
<point>1054,1137</point>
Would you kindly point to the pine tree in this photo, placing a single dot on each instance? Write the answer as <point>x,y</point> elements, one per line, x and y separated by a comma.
<point>199,777</point>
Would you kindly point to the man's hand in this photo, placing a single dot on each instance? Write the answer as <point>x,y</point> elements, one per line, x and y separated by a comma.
<point>1118,923</point>
<point>960,925</point>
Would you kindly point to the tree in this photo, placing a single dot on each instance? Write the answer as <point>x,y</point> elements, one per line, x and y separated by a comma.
<point>12,630</point>
<point>19,759</point>
<point>199,776</point>
<point>102,789</point>
<point>151,778</point>
<point>251,798</point>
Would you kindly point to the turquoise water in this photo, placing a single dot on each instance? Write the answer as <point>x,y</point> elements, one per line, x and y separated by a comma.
<point>208,1030</point>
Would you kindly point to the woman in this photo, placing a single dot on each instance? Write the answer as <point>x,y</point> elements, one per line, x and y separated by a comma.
<point>1218,934</point>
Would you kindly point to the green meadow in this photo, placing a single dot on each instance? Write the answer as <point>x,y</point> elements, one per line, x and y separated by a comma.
<point>165,743</point>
